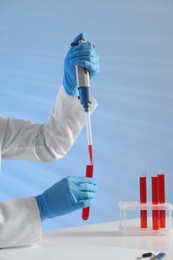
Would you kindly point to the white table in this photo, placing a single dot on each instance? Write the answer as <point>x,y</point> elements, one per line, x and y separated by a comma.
<point>93,242</point>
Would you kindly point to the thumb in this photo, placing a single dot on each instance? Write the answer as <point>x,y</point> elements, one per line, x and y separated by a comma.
<point>79,37</point>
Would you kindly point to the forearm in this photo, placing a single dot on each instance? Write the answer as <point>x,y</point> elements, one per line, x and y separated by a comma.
<point>44,142</point>
<point>70,119</point>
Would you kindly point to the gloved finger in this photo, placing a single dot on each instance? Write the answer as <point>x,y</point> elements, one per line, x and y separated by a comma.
<point>88,187</point>
<point>78,180</point>
<point>85,203</point>
<point>81,53</point>
<point>87,195</point>
<point>82,61</point>
<point>88,180</point>
<point>93,68</point>
<point>78,37</point>
<point>83,45</point>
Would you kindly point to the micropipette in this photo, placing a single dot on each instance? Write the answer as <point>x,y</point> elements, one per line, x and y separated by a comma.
<point>83,82</point>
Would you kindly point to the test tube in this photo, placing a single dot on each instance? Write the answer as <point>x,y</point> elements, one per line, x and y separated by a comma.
<point>143,199</point>
<point>89,174</point>
<point>155,201</point>
<point>161,183</point>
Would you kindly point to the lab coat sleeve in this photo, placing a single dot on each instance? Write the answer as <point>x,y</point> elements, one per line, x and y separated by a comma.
<point>20,223</point>
<point>23,140</point>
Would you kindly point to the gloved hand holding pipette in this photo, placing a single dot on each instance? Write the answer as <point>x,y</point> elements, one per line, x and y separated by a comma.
<point>84,55</point>
<point>67,195</point>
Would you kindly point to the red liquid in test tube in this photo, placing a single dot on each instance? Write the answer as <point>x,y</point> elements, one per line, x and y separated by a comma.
<point>155,201</point>
<point>143,199</point>
<point>89,173</point>
<point>161,183</point>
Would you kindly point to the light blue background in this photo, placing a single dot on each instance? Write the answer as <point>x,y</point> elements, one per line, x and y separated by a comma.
<point>132,127</point>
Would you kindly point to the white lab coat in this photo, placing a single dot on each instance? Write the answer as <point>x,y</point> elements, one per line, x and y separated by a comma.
<point>20,139</point>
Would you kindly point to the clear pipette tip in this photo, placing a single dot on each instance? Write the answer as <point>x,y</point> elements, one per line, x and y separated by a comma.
<point>89,136</point>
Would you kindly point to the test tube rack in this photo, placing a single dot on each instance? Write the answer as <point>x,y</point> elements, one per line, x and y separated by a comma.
<point>131,229</point>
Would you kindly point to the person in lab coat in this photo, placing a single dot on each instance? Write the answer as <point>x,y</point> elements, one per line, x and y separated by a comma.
<point>20,219</point>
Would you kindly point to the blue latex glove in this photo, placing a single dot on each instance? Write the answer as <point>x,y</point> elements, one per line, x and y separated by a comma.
<point>67,195</point>
<point>84,55</point>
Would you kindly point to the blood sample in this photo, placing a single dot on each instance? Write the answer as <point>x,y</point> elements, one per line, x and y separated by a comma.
<point>155,201</point>
<point>161,183</point>
<point>89,173</point>
<point>143,199</point>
